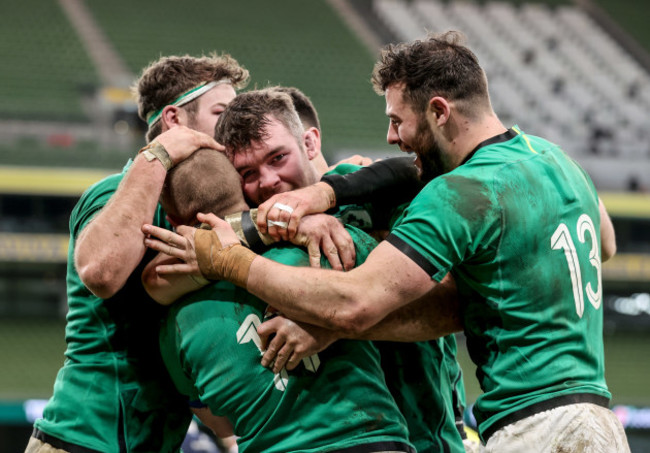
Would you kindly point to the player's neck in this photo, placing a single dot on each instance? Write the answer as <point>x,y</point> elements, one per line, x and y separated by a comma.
<point>473,134</point>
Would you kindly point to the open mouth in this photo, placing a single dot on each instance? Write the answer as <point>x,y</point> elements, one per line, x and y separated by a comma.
<point>418,163</point>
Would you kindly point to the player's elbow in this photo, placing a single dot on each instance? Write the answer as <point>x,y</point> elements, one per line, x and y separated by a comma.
<point>153,286</point>
<point>99,279</point>
<point>353,327</point>
<point>149,280</point>
<point>608,249</point>
<point>355,319</point>
<point>607,234</point>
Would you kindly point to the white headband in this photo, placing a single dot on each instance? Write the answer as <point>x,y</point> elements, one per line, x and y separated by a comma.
<point>188,96</point>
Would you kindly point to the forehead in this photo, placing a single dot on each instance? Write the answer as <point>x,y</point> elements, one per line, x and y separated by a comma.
<point>396,106</point>
<point>278,133</point>
<point>278,138</point>
<point>222,94</point>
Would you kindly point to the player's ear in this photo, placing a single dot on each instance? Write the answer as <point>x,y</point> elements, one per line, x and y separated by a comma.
<point>171,116</point>
<point>439,109</point>
<point>312,143</point>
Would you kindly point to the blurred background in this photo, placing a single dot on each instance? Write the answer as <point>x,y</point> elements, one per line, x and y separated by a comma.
<point>575,72</point>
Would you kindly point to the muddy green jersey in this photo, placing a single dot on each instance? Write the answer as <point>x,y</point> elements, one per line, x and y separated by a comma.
<point>423,377</point>
<point>418,377</point>
<point>518,226</point>
<point>113,393</point>
<point>334,400</point>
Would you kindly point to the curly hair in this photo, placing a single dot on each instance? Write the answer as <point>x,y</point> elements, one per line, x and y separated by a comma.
<point>167,78</point>
<point>246,118</point>
<point>439,65</point>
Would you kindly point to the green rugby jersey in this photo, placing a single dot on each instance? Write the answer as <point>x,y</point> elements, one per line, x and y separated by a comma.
<point>518,226</point>
<point>423,377</point>
<point>334,400</point>
<point>418,377</point>
<point>113,392</point>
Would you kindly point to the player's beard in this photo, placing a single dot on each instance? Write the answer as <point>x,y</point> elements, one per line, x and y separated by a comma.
<point>429,152</point>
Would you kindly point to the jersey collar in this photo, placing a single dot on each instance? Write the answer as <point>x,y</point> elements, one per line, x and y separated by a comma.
<point>507,135</point>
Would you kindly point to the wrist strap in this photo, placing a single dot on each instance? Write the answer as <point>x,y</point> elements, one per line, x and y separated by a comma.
<point>231,263</point>
<point>155,150</point>
<point>245,225</point>
<point>393,181</point>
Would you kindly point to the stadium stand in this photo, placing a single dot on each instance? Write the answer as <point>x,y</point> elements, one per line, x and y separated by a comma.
<point>289,43</point>
<point>555,71</point>
<point>44,65</point>
<point>274,41</point>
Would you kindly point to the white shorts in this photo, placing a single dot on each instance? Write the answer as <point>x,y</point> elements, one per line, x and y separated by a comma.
<point>575,428</point>
<point>38,446</point>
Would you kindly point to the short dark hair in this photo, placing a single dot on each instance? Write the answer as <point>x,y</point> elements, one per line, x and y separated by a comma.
<point>303,105</point>
<point>247,117</point>
<point>439,65</point>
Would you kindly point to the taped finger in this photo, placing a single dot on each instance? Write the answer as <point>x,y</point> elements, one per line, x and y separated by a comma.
<point>277,223</point>
<point>283,207</point>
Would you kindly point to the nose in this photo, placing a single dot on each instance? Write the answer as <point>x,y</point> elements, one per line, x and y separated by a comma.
<point>268,178</point>
<point>392,137</point>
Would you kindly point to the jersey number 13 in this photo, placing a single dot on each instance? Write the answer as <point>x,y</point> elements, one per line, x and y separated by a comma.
<point>562,240</point>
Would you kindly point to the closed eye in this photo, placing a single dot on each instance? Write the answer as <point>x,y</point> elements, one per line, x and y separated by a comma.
<point>247,174</point>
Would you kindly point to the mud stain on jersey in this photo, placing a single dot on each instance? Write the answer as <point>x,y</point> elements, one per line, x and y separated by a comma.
<point>472,200</point>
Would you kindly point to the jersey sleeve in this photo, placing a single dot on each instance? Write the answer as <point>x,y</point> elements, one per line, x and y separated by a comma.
<point>452,218</point>
<point>96,197</point>
<point>92,201</point>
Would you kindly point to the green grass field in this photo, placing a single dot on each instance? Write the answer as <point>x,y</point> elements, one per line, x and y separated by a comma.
<point>31,352</point>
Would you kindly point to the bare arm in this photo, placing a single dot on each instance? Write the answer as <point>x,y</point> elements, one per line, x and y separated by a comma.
<point>167,288</point>
<point>220,426</point>
<point>111,245</point>
<point>607,234</point>
<point>434,315</point>
<point>351,301</point>
<point>388,182</point>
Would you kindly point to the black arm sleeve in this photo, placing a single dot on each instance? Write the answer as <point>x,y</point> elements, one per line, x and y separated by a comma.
<point>390,182</point>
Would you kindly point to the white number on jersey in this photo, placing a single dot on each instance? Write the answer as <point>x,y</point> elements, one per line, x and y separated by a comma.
<point>247,332</point>
<point>561,240</point>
